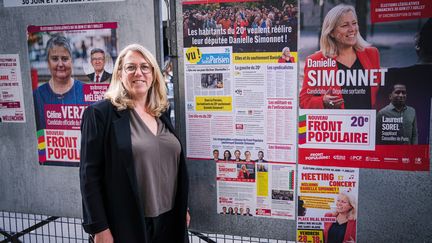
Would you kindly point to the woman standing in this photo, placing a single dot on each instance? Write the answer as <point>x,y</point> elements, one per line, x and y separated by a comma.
<point>342,48</point>
<point>133,175</point>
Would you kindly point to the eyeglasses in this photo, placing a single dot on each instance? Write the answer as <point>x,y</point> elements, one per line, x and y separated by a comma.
<point>131,68</point>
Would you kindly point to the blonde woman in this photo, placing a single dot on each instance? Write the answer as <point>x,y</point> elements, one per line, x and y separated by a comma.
<point>341,48</point>
<point>344,229</point>
<point>286,56</point>
<point>133,176</point>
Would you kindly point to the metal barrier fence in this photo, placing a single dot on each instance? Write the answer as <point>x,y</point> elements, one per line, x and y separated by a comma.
<point>35,228</point>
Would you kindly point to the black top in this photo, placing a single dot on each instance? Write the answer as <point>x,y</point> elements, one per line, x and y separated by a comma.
<point>109,187</point>
<point>355,97</point>
<point>336,233</point>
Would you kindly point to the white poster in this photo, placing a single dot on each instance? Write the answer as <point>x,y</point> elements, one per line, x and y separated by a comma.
<point>11,89</point>
<point>256,189</point>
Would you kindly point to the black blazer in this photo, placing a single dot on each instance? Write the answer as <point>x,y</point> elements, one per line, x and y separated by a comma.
<point>108,181</point>
<point>106,76</point>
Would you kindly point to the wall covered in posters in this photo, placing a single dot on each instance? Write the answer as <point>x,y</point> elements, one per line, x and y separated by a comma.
<point>341,122</point>
<point>364,102</point>
<point>406,191</point>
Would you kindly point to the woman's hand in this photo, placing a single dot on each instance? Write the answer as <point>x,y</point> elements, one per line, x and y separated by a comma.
<point>188,218</point>
<point>331,101</point>
<point>104,237</point>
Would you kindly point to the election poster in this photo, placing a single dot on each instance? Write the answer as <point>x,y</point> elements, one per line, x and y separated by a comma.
<point>240,67</point>
<point>28,3</point>
<point>258,189</point>
<point>71,67</point>
<point>327,204</point>
<point>241,78</point>
<point>365,98</point>
<point>11,90</point>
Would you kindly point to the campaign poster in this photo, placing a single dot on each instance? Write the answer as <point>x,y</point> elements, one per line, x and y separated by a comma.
<point>11,90</point>
<point>365,97</point>
<point>71,68</point>
<point>258,189</point>
<point>241,78</point>
<point>327,204</point>
<point>241,100</point>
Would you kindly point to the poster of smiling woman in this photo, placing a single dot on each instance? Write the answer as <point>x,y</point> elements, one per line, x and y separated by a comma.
<point>364,100</point>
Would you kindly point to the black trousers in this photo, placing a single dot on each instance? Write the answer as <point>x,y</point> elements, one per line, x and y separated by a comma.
<point>159,229</point>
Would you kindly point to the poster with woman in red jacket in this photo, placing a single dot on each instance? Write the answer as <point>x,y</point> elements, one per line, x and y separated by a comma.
<point>350,114</point>
<point>345,73</point>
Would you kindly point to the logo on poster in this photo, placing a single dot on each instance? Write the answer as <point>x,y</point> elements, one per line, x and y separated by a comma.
<point>339,157</point>
<point>372,159</point>
<point>317,156</point>
<point>355,157</point>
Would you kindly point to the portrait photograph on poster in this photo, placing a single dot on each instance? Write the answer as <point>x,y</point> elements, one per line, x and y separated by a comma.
<point>364,100</point>
<point>71,68</point>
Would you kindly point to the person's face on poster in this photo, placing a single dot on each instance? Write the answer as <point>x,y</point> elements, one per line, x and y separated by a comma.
<point>227,155</point>
<point>345,31</point>
<point>60,63</point>
<point>219,84</point>
<point>248,155</point>
<point>342,204</point>
<point>216,154</point>
<point>230,210</point>
<point>260,155</point>
<point>398,95</point>
<point>98,61</point>
<point>136,74</point>
<point>237,154</point>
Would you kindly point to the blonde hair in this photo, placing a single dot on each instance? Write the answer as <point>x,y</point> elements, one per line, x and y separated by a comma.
<point>352,214</point>
<point>327,43</point>
<point>156,102</point>
<point>286,48</point>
